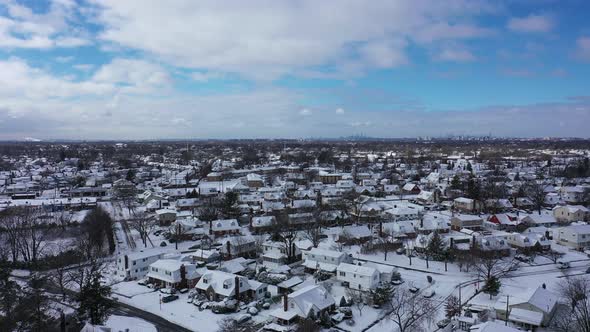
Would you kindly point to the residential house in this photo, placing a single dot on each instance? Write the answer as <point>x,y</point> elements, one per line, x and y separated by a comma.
<point>574,236</point>
<point>135,265</point>
<point>171,273</point>
<point>466,221</point>
<point>358,277</point>
<point>324,259</point>
<point>219,285</point>
<point>310,301</point>
<point>571,213</point>
<point>224,227</point>
<point>238,246</point>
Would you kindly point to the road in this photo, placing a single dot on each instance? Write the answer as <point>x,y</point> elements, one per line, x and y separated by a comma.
<point>121,309</point>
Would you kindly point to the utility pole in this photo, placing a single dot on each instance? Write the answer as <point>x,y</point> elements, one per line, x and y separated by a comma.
<point>507,310</point>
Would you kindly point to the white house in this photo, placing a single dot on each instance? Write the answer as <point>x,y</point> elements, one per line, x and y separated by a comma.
<point>570,213</point>
<point>357,276</point>
<point>218,285</point>
<point>171,273</point>
<point>574,236</point>
<point>325,260</point>
<point>306,302</point>
<point>136,265</point>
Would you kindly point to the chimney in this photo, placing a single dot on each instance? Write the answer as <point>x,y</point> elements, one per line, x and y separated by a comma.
<point>183,280</point>
<point>210,227</point>
<point>285,302</point>
<point>237,281</point>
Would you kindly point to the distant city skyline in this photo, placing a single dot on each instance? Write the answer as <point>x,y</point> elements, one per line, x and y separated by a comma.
<point>112,69</point>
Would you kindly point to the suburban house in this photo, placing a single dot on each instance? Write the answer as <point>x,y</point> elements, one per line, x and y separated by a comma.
<point>262,223</point>
<point>571,213</point>
<point>136,265</point>
<point>224,227</point>
<point>238,246</point>
<point>528,309</point>
<point>254,180</point>
<point>543,219</point>
<point>466,221</point>
<point>219,285</point>
<point>310,301</point>
<point>574,236</point>
<point>357,276</point>
<point>325,260</point>
<point>503,221</point>
<point>171,273</point>
<point>464,204</point>
<point>354,234</point>
<point>275,254</point>
<point>434,223</point>
<point>528,241</point>
<point>166,216</point>
<point>411,189</point>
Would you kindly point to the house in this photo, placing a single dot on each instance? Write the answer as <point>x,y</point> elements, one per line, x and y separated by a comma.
<point>528,241</point>
<point>543,219</point>
<point>287,286</point>
<point>301,220</point>
<point>238,246</point>
<point>166,216</point>
<point>571,213</point>
<point>529,308</point>
<point>464,204</point>
<point>254,180</point>
<point>434,223</point>
<point>354,234</point>
<point>171,273</point>
<point>310,301</point>
<point>468,324</point>
<point>324,259</point>
<point>427,197</point>
<point>262,224</point>
<point>574,236</point>
<point>495,244</point>
<point>275,254</point>
<point>357,276</point>
<point>219,285</point>
<point>466,221</point>
<point>224,227</point>
<point>135,265</point>
<point>411,189</point>
<point>503,221</point>
<point>204,256</point>
<point>329,178</point>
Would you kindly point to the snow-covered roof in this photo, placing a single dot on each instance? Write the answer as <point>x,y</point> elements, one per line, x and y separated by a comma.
<point>357,269</point>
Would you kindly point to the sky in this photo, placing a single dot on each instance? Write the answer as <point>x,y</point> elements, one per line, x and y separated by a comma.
<point>151,69</point>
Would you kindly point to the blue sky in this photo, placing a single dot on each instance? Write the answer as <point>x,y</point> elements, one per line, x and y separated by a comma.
<point>115,69</point>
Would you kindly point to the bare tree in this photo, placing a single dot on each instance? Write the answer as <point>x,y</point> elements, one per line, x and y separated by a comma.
<point>231,325</point>
<point>553,255</point>
<point>576,314</point>
<point>313,233</point>
<point>386,243</point>
<point>490,266</point>
<point>535,191</point>
<point>408,311</point>
<point>359,299</point>
<point>144,224</point>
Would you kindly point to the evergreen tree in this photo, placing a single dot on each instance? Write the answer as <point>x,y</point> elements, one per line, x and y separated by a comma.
<point>94,301</point>
<point>469,168</point>
<point>8,296</point>
<point>38,304</point>
<point>492,286</point>
<point>473,189</point>
<point>436,247</point>
<point>456,182</point>
<point>382,295</point>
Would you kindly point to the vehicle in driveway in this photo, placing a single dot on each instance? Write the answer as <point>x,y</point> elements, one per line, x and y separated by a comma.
<point>414,289</point>
<point>522,258</point>
<point>563,265</point>
<point>169,298</point>
<point>167,290</point>
<point>397,282</point>
<point>443,323</point>
<point>143,282</point>
<point>428,293</point>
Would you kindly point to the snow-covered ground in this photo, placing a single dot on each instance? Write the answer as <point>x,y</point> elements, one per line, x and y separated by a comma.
<point>129,324</point>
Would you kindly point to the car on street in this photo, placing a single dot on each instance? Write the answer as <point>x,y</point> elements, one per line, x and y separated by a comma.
<point>169,298</point>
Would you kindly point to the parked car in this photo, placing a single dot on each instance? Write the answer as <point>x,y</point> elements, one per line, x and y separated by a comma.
<point>400,251</point>
<point>443,323</point>
<point>243,318</point>
<point>163,244</point>
<point>169,298</point>
<point>563,265</point>
<point>167,290</point>
<point>183,291</point>
<point>522,258</point>
<point>414,289</point>
<point>143,282</point>
<point>428,293</point>
<point>397,282</point>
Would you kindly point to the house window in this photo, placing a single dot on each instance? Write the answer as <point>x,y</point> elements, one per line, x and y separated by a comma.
<point>342,274</point>
<point>225,286</point>
<point>204,280</point>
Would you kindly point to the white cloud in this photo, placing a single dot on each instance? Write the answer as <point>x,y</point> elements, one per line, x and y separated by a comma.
<point>264,39</point>
<point>532,23</point>
<point>23,28</point>
<point>339,111</point>
<point>305,112</point>
<point>134,76</point>
<point>205,76</point>
<point>454,53</point>
<point>583,48</point>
